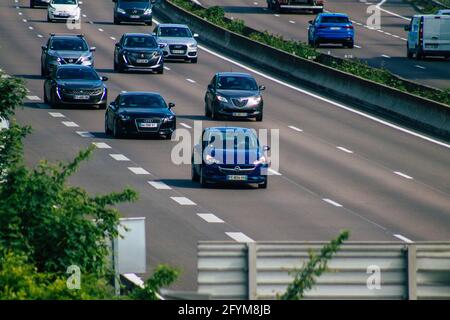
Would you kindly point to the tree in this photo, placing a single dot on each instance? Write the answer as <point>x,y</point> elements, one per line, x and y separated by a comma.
<point>305,278</point>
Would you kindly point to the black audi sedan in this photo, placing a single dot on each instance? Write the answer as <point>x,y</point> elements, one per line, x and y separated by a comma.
<point>234,94</point>
<point>133,11</point>
<point>143,113</point>
<point>138,51</point>
<point>75,85</point>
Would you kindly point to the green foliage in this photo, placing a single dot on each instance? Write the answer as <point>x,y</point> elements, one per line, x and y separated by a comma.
<point>216,15</point>
<point>12,92</point>
<point>163,276</point>
<point>305,278</point>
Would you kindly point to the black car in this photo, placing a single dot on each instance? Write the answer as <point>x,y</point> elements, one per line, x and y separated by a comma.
<point>133,11</point>
<point>144,113</point>
<point>35,3</point>
<point>75,85</point>
<point>138,51</point>
<point>64,49</point>
<point>234,94</point>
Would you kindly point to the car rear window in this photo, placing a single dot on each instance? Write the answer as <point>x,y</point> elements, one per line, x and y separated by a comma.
<point>334,20</point>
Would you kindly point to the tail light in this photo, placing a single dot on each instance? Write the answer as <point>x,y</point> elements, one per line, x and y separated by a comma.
<point>348,27</point>
<point>322,27</point>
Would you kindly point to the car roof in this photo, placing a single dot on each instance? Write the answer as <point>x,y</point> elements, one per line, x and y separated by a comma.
<point>224,129</point>
<point>137,34</point>
<point>67,36</point>
<point>173,25</point>
<point>74,66</point>
<point>135,93</point>
<point>236,74</point>
<point>330,14</point>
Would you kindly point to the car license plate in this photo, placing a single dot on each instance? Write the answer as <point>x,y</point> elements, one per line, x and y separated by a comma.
<point>335,28</point>
<point>148,125</point>
<point>134,17</point>
<point>142,60</point>
<point>178,51</point>
<point>237,178</point>
<point>239,114</point>
<point>81,97</point>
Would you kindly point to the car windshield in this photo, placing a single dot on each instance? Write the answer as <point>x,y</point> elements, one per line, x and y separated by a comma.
<point>140,42</point>
<point>146,101</point>
<point>179,32</point>
<point>232,139</point>
<point>64,2</point>
<point>69,44</point>
<point>133,0</point>
<point>335,19</point>
<point>77,74</point>
<point>236,83</point>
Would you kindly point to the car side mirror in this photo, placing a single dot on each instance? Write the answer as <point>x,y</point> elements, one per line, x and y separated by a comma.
<point>195,35</point>
<point>92,49</point>
<point>44,47</point>
<point>171,105</point>
<point>112,105</point>
<point>210,86</point>
<point>407,28</point>
<point>104,78</point>
<point>48,77</point>
<point>114,0</point>
<point>310,22</point>
<point>262,88</point>
<point>154,34</point>
<point>266,148</point>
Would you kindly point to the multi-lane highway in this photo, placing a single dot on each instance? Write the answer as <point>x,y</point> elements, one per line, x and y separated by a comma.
<point>384,47</point>
<point>339,168</point>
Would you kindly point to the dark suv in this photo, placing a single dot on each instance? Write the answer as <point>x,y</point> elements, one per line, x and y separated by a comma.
<point>138,51</point>
<point>65,49</point>
<point>75,85</point>
<point>133,11</point>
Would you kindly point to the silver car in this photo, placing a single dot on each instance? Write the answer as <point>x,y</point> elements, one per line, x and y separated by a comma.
<point>176,41</point>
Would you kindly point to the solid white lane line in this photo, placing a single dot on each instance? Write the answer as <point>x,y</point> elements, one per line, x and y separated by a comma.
<point>185,125</point>
<point>390,12</point>
<point>356,46</point>
<point>403,175</point>
<point>272,172</point>
<point>20,13</point>
<point>159,185</point>
<point>40,36</point>
<point>33,98</point>
<point>101,145</point>
<point>344,149</point>
<point>276,15</point>
<point>119,157</point>
<point>334,203</point>
<point>69,124</point>
<point>56,115</point>
<point>84,16</point>
<point>100,29</point>
<point>420,67</point>
<point>239,237</point>
<point>405,239</point>
<point>385,56</point>
<point>291,21</point>
<point>112,38</point>
<point>138,170</point>
<point>210,218</point>
<point>85,134</point>
<point>295,128</point>
<point>190,80</point>
<point>31,28</point>
<point>404,39</point>
<point>183,201</point>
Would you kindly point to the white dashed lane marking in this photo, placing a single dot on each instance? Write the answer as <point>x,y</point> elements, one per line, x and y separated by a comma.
<point>159,185</point>
<point>344,149</point>
<point>167,68</point>
<point>356,46</point>
<point>33,98</point>
<point>56,115</point>
<point>85,134</point>
<point>101,145</point>
<point>100,29</point>
<point>138,170</point>
<point>183,201</point>
<point>190,80</point>
<point>385,56</point>
<point>185,125</point>
<point>405,239</point>
<point>296,129</point>
<point>119,157</point>
<point>40,36</point>
<point>420,67</point>
<point>210,218</point>
<point>272,172</point>
<point>403,175</point>
<point>334,203</point>
<point>69,124</point>
<point>239,237</point>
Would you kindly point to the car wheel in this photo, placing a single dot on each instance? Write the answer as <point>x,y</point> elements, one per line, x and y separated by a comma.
<point>315,43</point>
<point>350,45</point>
<point>259,117</point>
<point>120,68</point>
<point>194,175</point>
<point>102,106</point>
<point>32,4</point>
<point>263,185</point>
<point>202,180</point>
<point>53,101</point>
<point>419,54</point>
<point>213,113</point>
<point>117,133</point>
<point>160,70</point>
<point>149,23</point>
<point>207,112</point>
<point>45,98</point>
<point>115,65</point>
<point>107,131</point>
<point>194,60</point>
<point>409,54</point>
<point>43,72</point>
<point>48,19</point>
<point>116,21</point>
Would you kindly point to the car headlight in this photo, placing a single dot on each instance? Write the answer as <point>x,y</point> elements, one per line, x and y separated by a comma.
<point>210,160</point>
<point>148,11</point>
<point>192,45</point>
<point>121,11</point>
<point>156,54</point>
<point>222,99</point>
<point>51,8</point>
<point>167,119</point>
<point>54,58</point>
<point>254,100</point>
<point>261,160</point>
<point>124,117</point>
<point>85,58</point>
<point>162,44</point>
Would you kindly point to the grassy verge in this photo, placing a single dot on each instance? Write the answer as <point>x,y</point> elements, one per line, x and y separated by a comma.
<point>216,15</point>
<point>426,6</point>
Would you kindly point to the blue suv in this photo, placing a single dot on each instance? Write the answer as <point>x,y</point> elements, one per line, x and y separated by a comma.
<point>230,155</point>
<point>331,28</point>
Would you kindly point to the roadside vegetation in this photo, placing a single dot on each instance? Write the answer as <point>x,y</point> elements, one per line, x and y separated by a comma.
<point>216,15</point>
<point>46,225</point>
<point>427,6</point>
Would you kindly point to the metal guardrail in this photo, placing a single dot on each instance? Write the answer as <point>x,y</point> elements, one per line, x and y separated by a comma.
<point>363,270</point>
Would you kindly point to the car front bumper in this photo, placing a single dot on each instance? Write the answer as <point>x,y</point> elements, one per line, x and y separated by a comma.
<point>70,99</point>
<point>188,52</point>
<point>54,15</point>
<point>215,173</point>
<point>131,127</point>
<point>125,17</point>
<point>229,110</point>
<point>152,64</point>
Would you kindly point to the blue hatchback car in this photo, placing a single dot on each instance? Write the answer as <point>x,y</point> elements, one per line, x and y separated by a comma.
<point>230,155</point>
<point>331,28</point>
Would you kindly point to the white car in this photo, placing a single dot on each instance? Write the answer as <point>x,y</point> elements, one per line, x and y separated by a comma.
<point>444,12</point>
<point>62,10</point>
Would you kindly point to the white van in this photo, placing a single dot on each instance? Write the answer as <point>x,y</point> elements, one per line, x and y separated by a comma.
<point>429,35</point>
